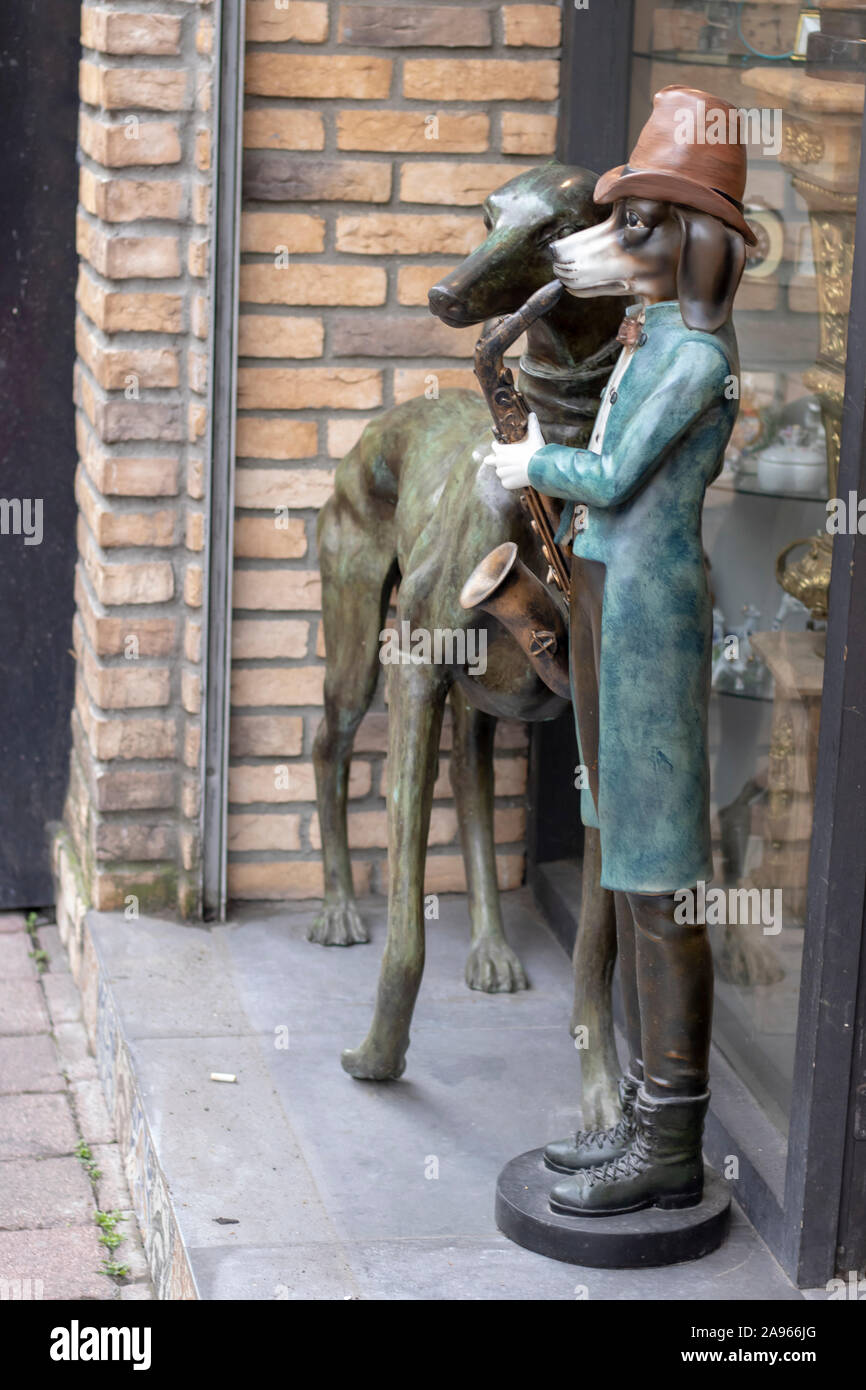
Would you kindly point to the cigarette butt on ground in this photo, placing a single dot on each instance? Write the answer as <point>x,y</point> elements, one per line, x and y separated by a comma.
<point>222,1076</point>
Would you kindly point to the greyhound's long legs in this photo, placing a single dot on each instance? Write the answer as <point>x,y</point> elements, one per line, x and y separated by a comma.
<point>492,965</point>
<point>358,570</point>
<point>416,704</point>
<point>594,959</point>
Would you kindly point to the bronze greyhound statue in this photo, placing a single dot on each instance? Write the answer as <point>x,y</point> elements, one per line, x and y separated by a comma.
<point>411,506</point>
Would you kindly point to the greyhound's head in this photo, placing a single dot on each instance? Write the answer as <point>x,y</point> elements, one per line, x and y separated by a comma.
<point>657,251</point>
<point>523,219</point>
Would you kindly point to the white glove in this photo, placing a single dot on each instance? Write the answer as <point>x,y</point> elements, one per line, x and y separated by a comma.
<point>511,461</point>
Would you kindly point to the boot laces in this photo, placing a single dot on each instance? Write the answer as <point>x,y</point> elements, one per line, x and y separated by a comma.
<point>631,1164</point>
<point>620,1133</point>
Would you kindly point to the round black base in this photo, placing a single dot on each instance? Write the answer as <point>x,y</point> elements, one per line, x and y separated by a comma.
<point>636,1240</point>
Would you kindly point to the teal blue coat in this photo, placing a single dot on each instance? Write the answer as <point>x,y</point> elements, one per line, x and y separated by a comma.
<point>664,444</point>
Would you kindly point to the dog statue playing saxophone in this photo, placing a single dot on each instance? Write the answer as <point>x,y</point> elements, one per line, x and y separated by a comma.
<point>412,505</point>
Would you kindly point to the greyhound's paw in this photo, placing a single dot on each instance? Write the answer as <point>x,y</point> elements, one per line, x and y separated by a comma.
<point>370,1062</point>
<point>494,968</point>
<point>338,924</point>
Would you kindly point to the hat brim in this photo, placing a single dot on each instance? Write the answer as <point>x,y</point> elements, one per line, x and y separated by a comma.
<point>624,182</point>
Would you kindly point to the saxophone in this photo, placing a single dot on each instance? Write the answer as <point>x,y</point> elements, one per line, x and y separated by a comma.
<point>501,584</point>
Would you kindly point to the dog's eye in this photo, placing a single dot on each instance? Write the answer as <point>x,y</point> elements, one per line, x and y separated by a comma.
<point>632,220</point>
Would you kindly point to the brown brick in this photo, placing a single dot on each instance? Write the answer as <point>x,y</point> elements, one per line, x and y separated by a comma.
<point>204,37</point>
<point>377,335</point>
<point>193,586</point>
<point>266,735</point>
<point>125,738</point>
<point>404,233</point>
<point>278,177</point>
<point>465,185</point>
<point>190,691</point>
<point>283,130</point>
<point>115,420</point>
<point>260,538</point>
<point>528,132</point>
<point>130,200</point>
<point>309,388</point>
<point>305,21</point>
<point>279,783</point>
<point>413,132</point>
<point>414,381</point>
<point>480,79</point>
<point>369,829</point>
<point>280,685</point>
<point>414,281</point>
<point>121,476</point>
<point>320,284</point>
<point>408,26</point>
<point>268,488</point>
<point>292,879</point>
<point>446,873</point>
<point>298,232</point>
<point>111,891</point>
<point>276,590</point>
<point>115,368</point>
<point>114,529</point>
<point>261,640</point>
<point>133,842</point>
<point>128,257</point>
<point>269,335</point>
<point>134,791</point>
<point>202,149</point>
<point>344,434</point>
<point>201,202</point>
<point>117,636</point>
<point>264,832</point>
<point>533,26</point>
<point>276,439</point>
<point>130,686</point>
<point>151,582</point>
<point>198,257</point>
<point>116,312</point>
<point>109,32</point>
<point>322,78</point>
<point>194,532</point>
<point>117,89</point>
<point>121,144</point>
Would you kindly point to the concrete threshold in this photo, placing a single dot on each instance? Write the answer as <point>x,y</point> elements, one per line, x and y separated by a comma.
<point>295,1181</point>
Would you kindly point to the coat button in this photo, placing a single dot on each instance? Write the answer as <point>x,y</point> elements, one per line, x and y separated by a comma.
<point>613,397</point>
<point>641,340</point>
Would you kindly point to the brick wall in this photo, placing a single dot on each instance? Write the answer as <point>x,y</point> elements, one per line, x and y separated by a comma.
<point>141,417</point>
<point>372,133</point>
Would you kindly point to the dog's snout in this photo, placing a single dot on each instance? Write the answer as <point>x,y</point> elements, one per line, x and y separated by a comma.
<point>444,303</point>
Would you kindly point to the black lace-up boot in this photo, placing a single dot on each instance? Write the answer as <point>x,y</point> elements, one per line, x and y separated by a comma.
<point>662,1165</point>
<point>590,1147</point>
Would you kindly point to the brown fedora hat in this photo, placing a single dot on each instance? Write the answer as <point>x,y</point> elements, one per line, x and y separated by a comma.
<point>689,152</point>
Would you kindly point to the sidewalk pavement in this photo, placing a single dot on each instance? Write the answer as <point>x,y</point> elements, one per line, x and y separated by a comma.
<point>59,1161</point>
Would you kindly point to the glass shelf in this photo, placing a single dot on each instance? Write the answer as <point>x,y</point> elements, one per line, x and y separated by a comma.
<point>717,60</point>
<point>726,483</point>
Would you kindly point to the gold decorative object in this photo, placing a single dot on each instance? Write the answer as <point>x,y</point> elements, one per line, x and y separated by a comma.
<point>809,579</point>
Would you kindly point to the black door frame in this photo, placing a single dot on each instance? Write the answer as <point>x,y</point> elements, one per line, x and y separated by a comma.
<point>806,1196</point>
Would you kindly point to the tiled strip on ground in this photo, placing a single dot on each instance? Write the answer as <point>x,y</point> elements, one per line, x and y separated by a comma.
<point>164,1255</point>
<point>60,1163</point>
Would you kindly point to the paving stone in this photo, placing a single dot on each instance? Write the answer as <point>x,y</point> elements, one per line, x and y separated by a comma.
<point>66,1260</point>
<point>64,1001</point>
<point>29,1064</point>
<point>93,1117</point>
<point>44,1192</point>
<point>35,1125</point>
<point>73,1051</point>
<point>12,922</point>
<point>49,940</point>
<point>111,1186</point>
<point>16,963</point>
<point>22,1007</point>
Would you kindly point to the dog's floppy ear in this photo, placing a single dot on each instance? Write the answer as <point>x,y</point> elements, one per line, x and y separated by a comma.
<point>712,257</point>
